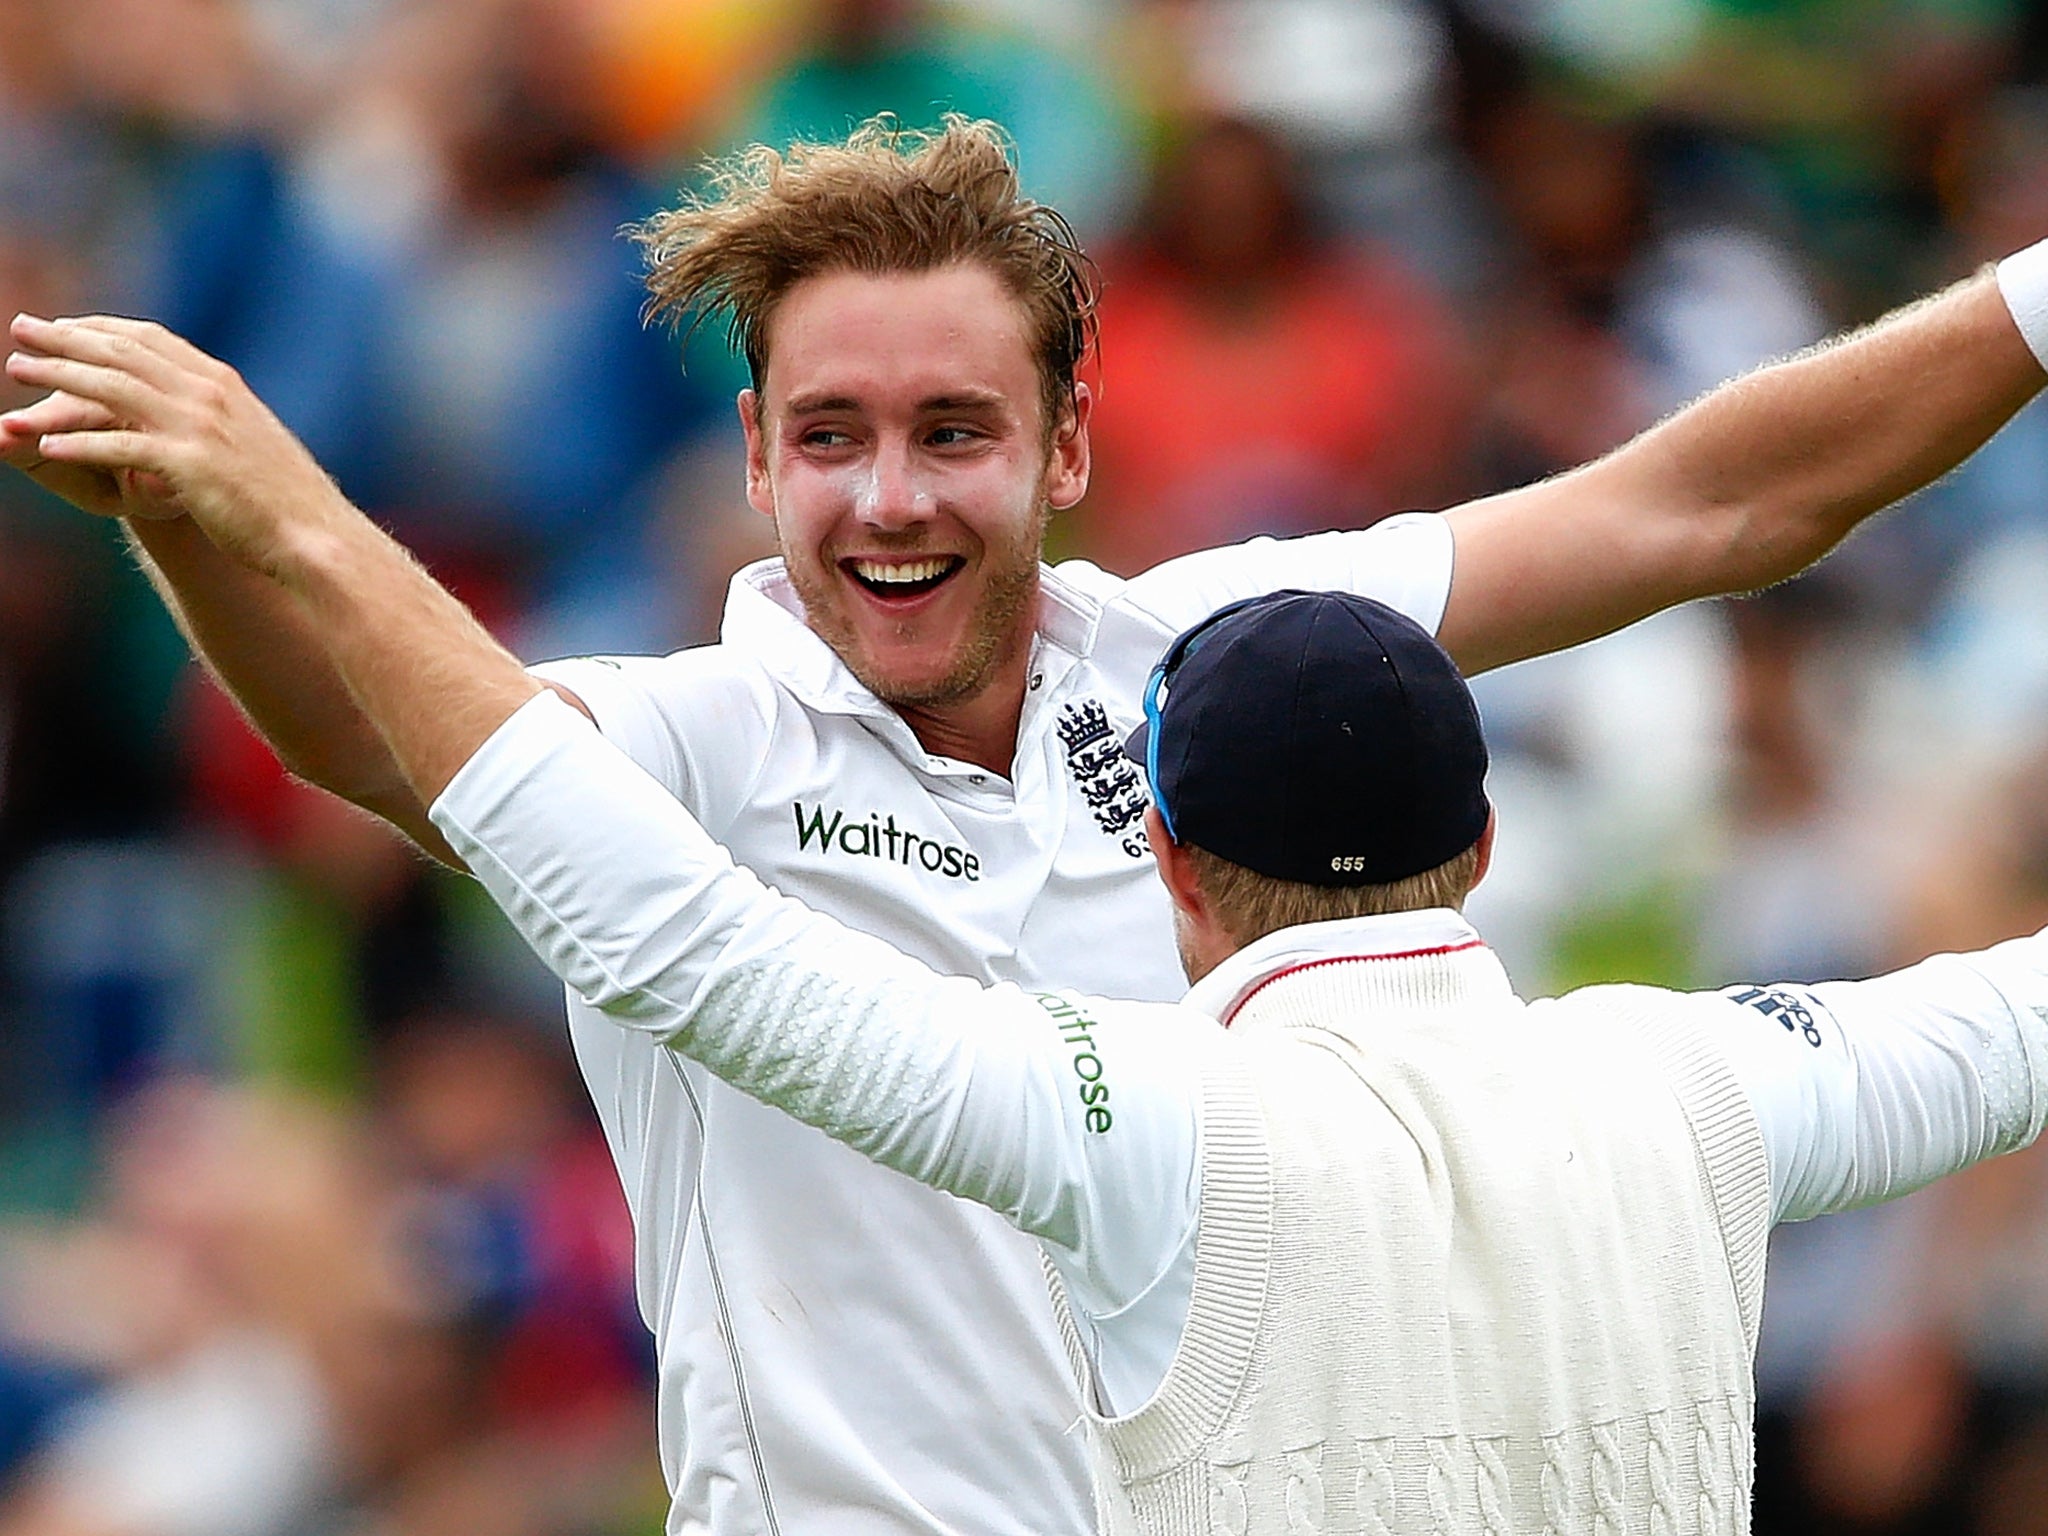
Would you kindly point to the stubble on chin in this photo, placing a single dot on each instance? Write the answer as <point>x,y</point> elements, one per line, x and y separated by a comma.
<point>1002,621</point>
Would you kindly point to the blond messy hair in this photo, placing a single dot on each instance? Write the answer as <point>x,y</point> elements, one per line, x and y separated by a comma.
<point>1248,905</point>
<point>887,200</point>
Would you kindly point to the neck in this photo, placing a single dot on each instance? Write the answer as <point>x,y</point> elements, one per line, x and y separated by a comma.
<point>981,730</point>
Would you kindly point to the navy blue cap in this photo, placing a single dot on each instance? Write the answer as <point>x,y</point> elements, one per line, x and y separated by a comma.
<point>1318,737</point>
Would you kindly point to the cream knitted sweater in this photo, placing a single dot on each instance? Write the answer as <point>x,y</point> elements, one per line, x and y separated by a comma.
<point>1465,1265</point>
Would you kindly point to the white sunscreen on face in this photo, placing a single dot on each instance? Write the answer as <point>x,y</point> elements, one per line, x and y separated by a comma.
<point>863,488</point>
<point>859,488</point>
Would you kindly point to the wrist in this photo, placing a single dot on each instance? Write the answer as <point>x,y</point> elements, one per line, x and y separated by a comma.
<point>319,560</point>
<point>2023,283</point>
<point>152,534</point>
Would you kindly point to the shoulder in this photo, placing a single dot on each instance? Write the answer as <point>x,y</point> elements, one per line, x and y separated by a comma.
<point>1638,1000</point>
<point>1620,1012</point>
<point>688,718</point>
<point>681,687</point>
<point>1084,613</point>
<point>1792,1007</point>
<point>1083,583</point>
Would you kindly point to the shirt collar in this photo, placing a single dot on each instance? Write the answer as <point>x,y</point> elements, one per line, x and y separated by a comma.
<point>1395,936</point>
<point>764,617</point>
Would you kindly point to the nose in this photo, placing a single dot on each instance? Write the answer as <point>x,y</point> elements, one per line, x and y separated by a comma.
<point>895,495</point>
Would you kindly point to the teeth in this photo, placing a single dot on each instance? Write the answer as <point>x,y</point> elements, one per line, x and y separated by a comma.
<point>909,571</point>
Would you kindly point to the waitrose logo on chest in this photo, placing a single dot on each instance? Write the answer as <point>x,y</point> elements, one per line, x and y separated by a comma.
<point>878,837</point>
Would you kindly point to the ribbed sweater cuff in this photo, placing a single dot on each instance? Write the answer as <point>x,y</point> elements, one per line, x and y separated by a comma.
<point>1233,1260</point>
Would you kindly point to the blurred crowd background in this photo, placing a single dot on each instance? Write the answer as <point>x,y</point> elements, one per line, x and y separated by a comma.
<point>304,1229</point>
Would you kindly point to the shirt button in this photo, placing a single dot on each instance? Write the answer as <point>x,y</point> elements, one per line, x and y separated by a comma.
<point>977,778</point>
<point>1037,678</point>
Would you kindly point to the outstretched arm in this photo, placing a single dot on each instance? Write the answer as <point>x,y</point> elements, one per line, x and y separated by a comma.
<point>1748,485</point>
<point>1867,1090</point>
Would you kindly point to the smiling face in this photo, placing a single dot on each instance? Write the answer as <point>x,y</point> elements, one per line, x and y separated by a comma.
<point>898,443</point>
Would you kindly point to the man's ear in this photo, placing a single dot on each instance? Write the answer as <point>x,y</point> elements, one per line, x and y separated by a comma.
<point>1176,869</point>
<point>1485,848</point>
<point>760,492</point>
<point>1068,466</point>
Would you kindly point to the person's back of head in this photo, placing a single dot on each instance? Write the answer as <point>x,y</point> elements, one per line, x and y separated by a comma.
<point>1413,1185</point>
<point>887,200</point>
<point>1312,756</point>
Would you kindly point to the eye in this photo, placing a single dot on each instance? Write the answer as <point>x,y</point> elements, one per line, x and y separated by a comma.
<point>953,436</point>
<point>826,437</point>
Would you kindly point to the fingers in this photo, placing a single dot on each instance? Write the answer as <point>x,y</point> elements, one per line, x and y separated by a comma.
<point>21,445</point>
<point>84,486</point>
<point>104,450</point>
<point>78,343</point>
<point>121,393</point>
<point>141,416</point>
<point>130,366</point>
<point>139,347</point>
<point>148,337</point>
<point>57,412</point>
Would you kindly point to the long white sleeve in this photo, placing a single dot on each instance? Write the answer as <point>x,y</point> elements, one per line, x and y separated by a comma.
<point>1075,1118</point>
<point>1866,1090</point>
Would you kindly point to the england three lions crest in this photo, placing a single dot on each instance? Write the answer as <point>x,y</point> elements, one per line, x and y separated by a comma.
<point>1110,784</point>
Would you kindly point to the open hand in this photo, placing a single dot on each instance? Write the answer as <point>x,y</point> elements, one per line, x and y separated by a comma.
<point>140,423</point>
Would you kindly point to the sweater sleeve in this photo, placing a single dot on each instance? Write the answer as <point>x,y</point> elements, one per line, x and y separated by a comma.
<point>1075,1118</point>
<point>1866,1090</point>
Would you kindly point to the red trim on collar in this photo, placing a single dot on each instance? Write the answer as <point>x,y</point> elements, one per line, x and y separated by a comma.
<point>1308,965</point>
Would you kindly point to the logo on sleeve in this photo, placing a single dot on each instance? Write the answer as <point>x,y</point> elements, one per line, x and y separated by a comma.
<point>1794,1010</point>
<point>1077,1032</point>
<point>878,837</point>
<point>1110,784</point>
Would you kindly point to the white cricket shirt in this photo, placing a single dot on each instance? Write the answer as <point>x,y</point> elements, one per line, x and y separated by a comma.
<point>840,1349</point>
